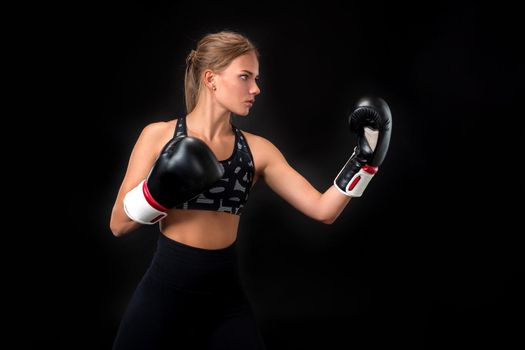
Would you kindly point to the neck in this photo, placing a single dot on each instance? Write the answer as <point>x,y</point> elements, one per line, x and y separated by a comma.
<point>208,120</point>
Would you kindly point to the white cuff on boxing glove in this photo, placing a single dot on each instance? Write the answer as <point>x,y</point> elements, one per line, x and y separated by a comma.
<point>358,182</point>
<point>140,209</point>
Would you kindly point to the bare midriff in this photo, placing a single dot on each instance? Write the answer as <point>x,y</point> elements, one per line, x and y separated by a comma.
<point>201,228</point>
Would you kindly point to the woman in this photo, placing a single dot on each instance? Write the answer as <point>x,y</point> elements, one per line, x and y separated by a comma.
<point>191,297</point>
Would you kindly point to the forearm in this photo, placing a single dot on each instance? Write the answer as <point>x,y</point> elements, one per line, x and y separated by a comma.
<point>332,203</point>
<point>120,223</point>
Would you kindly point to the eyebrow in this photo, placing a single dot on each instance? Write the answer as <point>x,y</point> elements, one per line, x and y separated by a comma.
<point>247,71</point>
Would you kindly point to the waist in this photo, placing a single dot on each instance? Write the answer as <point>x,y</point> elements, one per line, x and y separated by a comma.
<point>195,269</point>
<point>173,249</point>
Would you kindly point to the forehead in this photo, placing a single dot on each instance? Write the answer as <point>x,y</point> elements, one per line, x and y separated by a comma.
<point>247,62</point>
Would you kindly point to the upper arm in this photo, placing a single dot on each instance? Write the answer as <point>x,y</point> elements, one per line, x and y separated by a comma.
<point>287,182</point>
<point>143,156</point>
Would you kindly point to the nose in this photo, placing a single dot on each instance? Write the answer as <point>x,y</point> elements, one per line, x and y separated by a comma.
<point>255,90</point>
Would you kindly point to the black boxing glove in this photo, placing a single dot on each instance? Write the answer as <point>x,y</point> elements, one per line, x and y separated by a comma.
<point>371,120</point>
<point>185,167</point>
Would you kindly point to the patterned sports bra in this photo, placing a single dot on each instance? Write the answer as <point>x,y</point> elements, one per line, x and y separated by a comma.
<point>230,193</point>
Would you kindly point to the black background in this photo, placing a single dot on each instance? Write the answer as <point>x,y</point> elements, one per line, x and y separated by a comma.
<point>428,257</point>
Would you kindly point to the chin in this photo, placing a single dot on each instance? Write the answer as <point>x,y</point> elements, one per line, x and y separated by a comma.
<point>242,112</point>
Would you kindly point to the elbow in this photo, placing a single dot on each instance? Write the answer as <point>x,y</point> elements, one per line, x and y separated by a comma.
<point>122,228</point>
<point>324,218</point>
<point>328,221</point>
<point>118,229</point>
<point>119,224</point>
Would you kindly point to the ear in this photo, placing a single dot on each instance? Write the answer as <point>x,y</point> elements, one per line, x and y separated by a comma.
<point>209,79</point>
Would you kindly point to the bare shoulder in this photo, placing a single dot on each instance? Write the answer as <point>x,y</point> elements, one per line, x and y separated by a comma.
<point>254,141</point>
<point>158,129</point>
<point>263,151</point>
<point>157,134</point>
<point>257,141</point>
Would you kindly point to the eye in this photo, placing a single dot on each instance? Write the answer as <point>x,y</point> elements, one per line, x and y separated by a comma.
<point>244,77</point>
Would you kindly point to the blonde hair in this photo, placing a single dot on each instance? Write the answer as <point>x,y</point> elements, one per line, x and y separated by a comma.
<point>214,51</point>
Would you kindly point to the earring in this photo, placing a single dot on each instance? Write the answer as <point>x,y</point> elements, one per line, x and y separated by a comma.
<point>214,88</point>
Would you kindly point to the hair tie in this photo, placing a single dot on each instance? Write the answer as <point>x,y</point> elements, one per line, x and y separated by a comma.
<point>191,57</point>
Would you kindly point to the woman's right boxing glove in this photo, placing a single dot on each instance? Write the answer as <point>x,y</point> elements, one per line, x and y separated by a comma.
<point>185,167</point>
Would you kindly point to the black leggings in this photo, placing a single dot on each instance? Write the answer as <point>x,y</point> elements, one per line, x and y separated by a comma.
<point>189,298</point>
